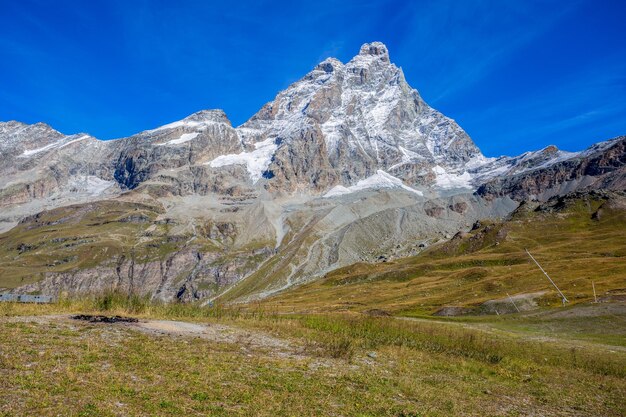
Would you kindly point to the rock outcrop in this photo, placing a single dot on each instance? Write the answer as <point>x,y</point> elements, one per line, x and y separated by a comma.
<point>602,166</point>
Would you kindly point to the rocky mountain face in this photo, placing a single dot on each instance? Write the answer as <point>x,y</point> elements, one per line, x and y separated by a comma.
<point>40,167</point>
<point>344,122</point>
<point>347,164</point>
<point>195,139</point>
<point>602,166</point>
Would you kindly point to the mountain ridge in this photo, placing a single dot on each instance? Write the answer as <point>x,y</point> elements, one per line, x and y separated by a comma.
<point>348,164</point>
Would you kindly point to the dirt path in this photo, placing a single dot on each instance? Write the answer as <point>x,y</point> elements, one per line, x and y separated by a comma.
<point>246,339</point>
<point>249,339</point>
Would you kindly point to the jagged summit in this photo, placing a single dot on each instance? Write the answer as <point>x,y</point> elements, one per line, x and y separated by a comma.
<point>198,120</point>
<point>213,115</point>
<point>11,124</point>
<point>550,149</point>
<point>367,51</point>
<point>329,65</point>
<point>377,49</point>
<point>15,137</point>
<point>14,126</point>
<point>342,123</point>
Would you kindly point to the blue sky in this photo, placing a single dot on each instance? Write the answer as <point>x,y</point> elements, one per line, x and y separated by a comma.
<point>516,75</point>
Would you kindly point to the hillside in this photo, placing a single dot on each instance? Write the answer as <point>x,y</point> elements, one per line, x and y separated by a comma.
<point>578,238</point>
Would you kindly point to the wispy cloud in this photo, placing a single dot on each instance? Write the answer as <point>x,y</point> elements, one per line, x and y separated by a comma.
<point>456,44</point>
<point>591,99</point>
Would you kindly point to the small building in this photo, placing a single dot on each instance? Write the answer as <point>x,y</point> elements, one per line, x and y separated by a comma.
<point>26,298</point>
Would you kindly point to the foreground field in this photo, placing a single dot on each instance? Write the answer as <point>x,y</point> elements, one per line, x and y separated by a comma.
<point>216,362</point>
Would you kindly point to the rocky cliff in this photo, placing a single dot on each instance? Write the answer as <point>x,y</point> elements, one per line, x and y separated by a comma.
<point>602,166</point>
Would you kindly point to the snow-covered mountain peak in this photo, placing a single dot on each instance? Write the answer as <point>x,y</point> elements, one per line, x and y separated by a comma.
<point>371,68</point>
<point>550,149</point>
<point>376,49</point>
<point>358,117</point>
<point>11,125</point>
<point>217,115</point>
<point>16,137</point>
<point>15,128</point>
<point>196,121</point>
<point>329,65</point>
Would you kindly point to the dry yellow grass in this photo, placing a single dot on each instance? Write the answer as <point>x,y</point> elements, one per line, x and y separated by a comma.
<point>341,365</point>
<point>573,245</point>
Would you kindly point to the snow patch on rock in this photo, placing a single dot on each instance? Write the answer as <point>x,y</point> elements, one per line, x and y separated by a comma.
<point>379,180</point>
<point>447,180</point>
<point>89,184</point>
<point>54,145</point>
<point>180,123</point>
<point>256,161</point>
<point>185,137</point>
<point>197,121</point>
<point>408,157</point>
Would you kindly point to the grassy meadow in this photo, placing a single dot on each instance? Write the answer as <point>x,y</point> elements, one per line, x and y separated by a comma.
<point>346,364</point>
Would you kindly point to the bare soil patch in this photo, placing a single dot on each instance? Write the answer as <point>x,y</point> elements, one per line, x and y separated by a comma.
<point>248,340</point>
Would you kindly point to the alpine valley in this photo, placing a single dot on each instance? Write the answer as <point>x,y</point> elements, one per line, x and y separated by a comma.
<point>346,171</point>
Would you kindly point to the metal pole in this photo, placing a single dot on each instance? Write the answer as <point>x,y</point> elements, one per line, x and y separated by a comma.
<point>564,299</point>
<point>594,292</point>
<point>512,302</point>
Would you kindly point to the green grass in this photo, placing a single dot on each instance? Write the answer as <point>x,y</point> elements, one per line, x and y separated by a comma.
<point>342,364</point>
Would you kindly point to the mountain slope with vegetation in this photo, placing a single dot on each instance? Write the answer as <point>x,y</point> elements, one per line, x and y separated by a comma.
<point>578,238</point>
